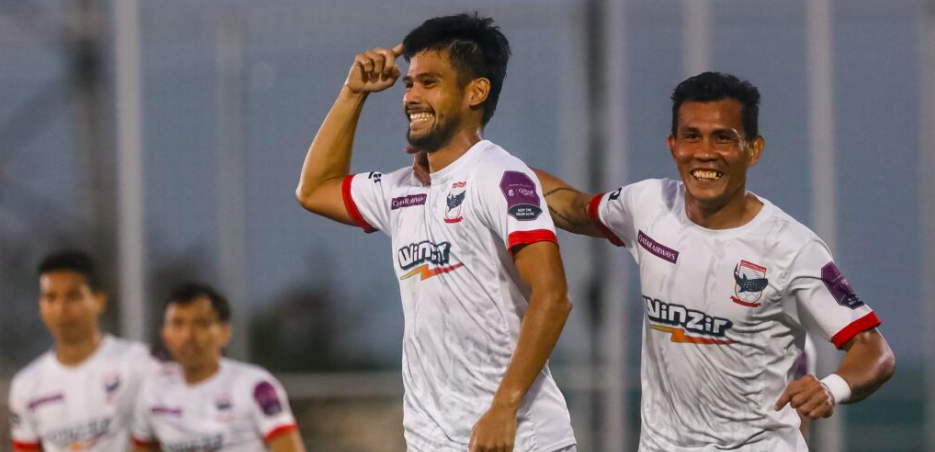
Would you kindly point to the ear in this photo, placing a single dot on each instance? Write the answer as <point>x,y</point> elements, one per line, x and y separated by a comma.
<point>225,334</point>
<point>100,299</point>
<point>671,142</point>
<point>756,149</point>
<point>477,91</point>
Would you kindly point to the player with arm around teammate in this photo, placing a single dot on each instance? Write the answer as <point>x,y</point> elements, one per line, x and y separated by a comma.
<point>78,396</point>
<point>208,402</point>
<point>481,279</point>
<point>730,285</point>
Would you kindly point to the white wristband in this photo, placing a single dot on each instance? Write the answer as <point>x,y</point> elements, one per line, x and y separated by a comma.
<point>838,388</point>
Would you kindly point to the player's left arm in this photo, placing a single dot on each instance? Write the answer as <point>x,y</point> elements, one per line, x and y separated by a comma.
<point>287,442</point>
<point>540,266</point>
<point>868,363</point>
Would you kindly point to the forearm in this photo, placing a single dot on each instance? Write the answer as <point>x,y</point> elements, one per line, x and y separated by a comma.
<point>329,156</point>
<point>289,442</point>
<point>567,205</point>
<point>868,364</point>
<point>539,332</point>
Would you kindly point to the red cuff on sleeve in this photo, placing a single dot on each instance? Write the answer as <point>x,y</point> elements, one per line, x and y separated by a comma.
<point>279,431</point>
<point>856,327</point>
<point>530,237</point>
<point>142,443</point>
<point>596,219</point>
<point>20,445</point>
<point>352,207</point>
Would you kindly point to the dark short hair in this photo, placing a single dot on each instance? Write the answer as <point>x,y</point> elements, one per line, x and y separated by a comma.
<point>74,261</point>
<point>715,86</point>
<point>189,292</point>
<point>476,48</point>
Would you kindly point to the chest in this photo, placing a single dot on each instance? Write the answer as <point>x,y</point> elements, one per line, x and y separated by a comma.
<point>205,417</point>
<point>77,409</point>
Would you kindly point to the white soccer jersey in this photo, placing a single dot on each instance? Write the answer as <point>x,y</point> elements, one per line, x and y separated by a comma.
<point>82,408</point>
<point>726,318</point>
<point>463,298</point>
<point>239,408</point>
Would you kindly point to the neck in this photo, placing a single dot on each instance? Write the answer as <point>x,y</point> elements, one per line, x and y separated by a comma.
<point>74,353</point>
<point>454,149</point>
<point>736,212</point>
<point>198,373</point>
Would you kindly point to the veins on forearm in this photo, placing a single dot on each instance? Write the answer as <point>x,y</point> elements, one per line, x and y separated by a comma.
<point>556,190</point>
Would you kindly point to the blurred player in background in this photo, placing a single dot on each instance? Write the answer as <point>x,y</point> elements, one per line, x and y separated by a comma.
<point>78,396</point>
<point>481,279</point>
<point>209,403</point>
<point>730,285</point>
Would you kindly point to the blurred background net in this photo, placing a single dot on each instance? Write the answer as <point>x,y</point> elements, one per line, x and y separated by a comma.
<point>218,102</point>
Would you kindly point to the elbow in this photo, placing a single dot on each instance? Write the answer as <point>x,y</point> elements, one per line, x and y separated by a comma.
<point>307,199</point>
<point>887,365</point>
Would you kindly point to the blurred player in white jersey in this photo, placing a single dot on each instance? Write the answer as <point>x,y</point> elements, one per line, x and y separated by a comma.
<point>208,402</point>
<point>730,285</point>
<point>78,396</point>
<point>480,275</point>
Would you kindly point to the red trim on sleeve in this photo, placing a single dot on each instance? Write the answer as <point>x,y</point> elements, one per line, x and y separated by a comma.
<point>351,206</point>
<point>856,327</point>
<point>279,431</point>
<point>530,237</point>
<point>26,446</point>
<point>142,443</point>
<point>596,220</point>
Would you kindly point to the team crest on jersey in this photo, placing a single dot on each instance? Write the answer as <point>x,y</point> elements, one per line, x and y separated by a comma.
<point>840,289</point>
<point>111,385</point>
<point>686,325</point>
<point>749,283</point>
<point>454,202</point>
<point>426,259</point>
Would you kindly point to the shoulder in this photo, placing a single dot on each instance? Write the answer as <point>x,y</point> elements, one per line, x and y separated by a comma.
<point>789,232</point>
<point>248,376</point>
<point>24,378</point>
<point>649,193</point>
<point>399,177</point>
<point>494,160</point>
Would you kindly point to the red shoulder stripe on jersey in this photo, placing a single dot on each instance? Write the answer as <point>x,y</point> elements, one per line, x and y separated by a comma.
<point>856,327</point>
<point>283,429</point>
<point>20,445</point>
<point>351,206</point>
<point>529,237</point>
<point>142,443</point>
<point>596,219</point>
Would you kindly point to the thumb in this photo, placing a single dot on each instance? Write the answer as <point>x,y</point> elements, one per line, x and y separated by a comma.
<point>398,50</point>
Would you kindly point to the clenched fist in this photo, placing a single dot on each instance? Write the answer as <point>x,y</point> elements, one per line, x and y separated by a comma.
<point>374,70</point>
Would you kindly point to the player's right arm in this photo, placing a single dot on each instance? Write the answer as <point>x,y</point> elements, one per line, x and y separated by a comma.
<point>568,206</point>
<point>22,430</point>
<point>328,160</point>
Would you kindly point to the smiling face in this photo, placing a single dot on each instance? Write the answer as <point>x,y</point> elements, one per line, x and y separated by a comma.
<point>712,152</point>
<point>435,102</point>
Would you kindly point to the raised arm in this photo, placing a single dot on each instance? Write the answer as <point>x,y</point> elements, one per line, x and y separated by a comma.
<point>568,206</point>
<point>329,157</point>
<point>540,266</point>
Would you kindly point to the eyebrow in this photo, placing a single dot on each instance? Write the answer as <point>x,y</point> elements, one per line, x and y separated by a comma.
<point>422,76</point>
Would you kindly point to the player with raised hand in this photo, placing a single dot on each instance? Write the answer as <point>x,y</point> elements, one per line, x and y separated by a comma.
<point>730,285</point>
<point>78,396</point>
<point>481,279</point>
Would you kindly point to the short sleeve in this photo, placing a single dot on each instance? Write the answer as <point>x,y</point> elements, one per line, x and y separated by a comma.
<point>22,429</point>
<point>270,407</point>
<point>513,207</point>
<point>613,214</point>
<point>141,430</point>
<point>825,299</point>
<point>368,197</point>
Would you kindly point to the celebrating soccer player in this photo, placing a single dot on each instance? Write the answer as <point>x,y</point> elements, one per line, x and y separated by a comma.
<point>482,284</point>
<point>209,403</point>
<point>78,396</point>
<point>730,285</point>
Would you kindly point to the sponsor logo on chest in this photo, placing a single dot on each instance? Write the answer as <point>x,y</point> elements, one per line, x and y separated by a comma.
<point>657,249</point>
<point>425,258</point>
<point>686,325</point>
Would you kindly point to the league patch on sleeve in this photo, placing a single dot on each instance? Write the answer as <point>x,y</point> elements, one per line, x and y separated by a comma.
<point>265,395</point>
<point>840,289</point>
<point>521,197</point>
